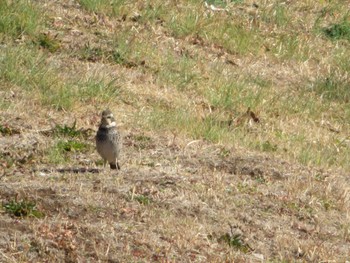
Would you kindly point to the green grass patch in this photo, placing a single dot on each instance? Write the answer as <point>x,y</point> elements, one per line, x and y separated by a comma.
<point>71,146</point>
<point>332,88</point>
<point>7,160</point>
<point>276,15</point>
<point>142,141</point>
<point>142,199</point>
<point>59,96</point>
<point>66,130</point>
<point>22,66</point>
<point>102,88</point>
<point>100,6</point>
<point>154,12</point>
<point>220,29</point>
<point>182,25</point>
<point>317,154</point>
<point>187,47</point>
<point>327,204</point>
<point>234,241</point>
<point>235,38</point>
<point>222,3</point>
<point>28,68</point>
<point>31,70</point>
<point>62,151</point>
<point>267,146</point>
<point>180,73</point>
<point>225,96</point>
<point>48,42</point>
<point>290,46</point>
<point>19,18</point>
<point>124,49</point>
<point>22,209</point>
<point>129,49</point>
<point>127,52</point>
<point>338,31</point>
<point>184,121</point>
<point>92,53</point>
<point>233,94</point>
<point>111,8</point>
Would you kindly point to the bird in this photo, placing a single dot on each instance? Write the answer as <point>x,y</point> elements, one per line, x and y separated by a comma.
<point>109,140</point>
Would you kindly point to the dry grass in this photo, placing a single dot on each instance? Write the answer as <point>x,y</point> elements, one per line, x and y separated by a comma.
<point>235,121</point>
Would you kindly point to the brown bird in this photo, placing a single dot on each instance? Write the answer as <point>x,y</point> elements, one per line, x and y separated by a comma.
<point>109,140</point>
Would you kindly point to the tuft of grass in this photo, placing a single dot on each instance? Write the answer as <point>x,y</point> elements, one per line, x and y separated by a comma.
<point>246,188</point>
<point>234,36</point>
<point>267,146</point>
<point>125,49</point>
<point>69,131</point>
<point>60,152</point>
<point>95,6</point>
<point>17,63</point>
<point>142,199</point>
<point>226,95</point>
<point>319,155</point>
<point>180,73</point>
<point>183,121</point>
<point>277,15</point>
<point>22,209</point>
<point>112,8</point>
<point>89,53</point>
<point>19,18</point>
<point>6,130</point>
<point>71,146</point>
<point>98,88</point>
<point>222,3</point>
<point>332,89</point>
<point>59,96</point>
<point>7,160</point>
<point>290,46</point>
<point>153,12</point>
<point>184,25</point>
<point>280,15</point>
<point>29,68</point>
<point>128,50</point>
<point>48,42</point>
<point>338,31</point>
<point>232,94</point>
<point>234,241</point>
<point>327,204</point>
<point>142,141</point>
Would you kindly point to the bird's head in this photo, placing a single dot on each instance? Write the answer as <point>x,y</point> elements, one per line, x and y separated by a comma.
<point>107,119</point>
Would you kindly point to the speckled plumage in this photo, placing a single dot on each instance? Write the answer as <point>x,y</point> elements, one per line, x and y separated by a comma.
<point>109,140</point>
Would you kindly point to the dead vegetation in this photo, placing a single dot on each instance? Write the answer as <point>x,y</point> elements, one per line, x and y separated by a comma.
<point>235,118</point>
<point>184,202</point>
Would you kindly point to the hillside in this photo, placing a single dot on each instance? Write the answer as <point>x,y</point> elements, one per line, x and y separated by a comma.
<point>235,116</point>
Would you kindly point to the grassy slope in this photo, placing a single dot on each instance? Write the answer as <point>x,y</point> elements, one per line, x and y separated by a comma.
<point>201,180</point>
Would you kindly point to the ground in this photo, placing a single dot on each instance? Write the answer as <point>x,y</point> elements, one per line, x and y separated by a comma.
<point>227,155</point>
